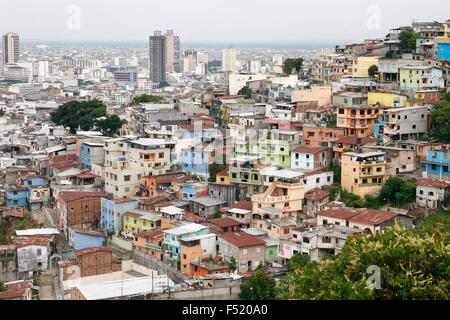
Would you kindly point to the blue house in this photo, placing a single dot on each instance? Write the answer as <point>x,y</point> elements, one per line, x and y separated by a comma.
<point>197,160</point>
<point>112,213</point>
<point>34,180</point>
<point>82,238</point>
<point>91,153</point>
<point>378,128</point>
<point>192,190</point>
<point>437,164</point>
<point>16,200</point>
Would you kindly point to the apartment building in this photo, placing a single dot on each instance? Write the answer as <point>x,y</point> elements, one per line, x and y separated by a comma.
<point>321,137</point>
<point>398,160</point>
<point>359,120</point>
<point>405,123</point>
<point>245,173</point>
<point>363,173</point>
<point>286,196</point>
<point>416,78</point>
<point>310,158</point>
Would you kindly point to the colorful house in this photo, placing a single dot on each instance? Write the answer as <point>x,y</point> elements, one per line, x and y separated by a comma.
<point>437,164</point>
<point>16,200</point>
<point>172,240</point>
<point>112,213</point>
<point>137,220</point>
<point>80,238</point>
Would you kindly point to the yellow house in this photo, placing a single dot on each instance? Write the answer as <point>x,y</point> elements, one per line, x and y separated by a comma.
<point>387,99</point>
<point>360,66</point>
<point>363,173</point>
<point>223,177</point>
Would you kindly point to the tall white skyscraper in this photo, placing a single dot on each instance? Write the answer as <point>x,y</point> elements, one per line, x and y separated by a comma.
<point>10,46</point>
<point>229,59</point>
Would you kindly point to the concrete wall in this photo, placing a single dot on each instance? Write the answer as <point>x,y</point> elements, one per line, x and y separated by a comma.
<point>230,293</point>
<point>162,269</point>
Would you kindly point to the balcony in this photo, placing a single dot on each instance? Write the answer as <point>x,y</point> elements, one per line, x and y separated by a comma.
<point>369,185</point>
<point>153,247</point>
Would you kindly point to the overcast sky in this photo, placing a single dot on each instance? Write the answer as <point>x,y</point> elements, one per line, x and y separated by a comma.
<point>215,21</point>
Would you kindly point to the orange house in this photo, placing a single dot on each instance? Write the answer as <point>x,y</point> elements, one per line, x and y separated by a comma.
<point>206,268</point>
<point>149,187</point>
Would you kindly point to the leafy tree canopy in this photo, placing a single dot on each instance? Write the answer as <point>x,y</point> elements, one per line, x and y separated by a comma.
<point>290,64</point>
<point>373,70</point>
<point>109,126</point>
<point>145,98</point>
<point>440,116</point>
<point>259,287</point>
<point>76,114</point>
<point>412,266</point>
<point>298,261</point>
<point>245,91</point>
<point>408,39</point>
<point>232,264</point>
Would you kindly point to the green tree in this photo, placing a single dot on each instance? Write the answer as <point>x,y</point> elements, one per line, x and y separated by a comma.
<point>2,113</point>
<point>232,264</point>
<point>110,125</point>
<point>76,114</point>
<point>397,192</point>
<point>298,261</point>
<point>210,89</point>
<point>290,64</point>
<point>259,287</point>
<point>440,115</point>
<point>145,98</point>
<point>373,70</point>
<point>2,286</point>
<point>218,214</point>
<point>408,39</point>
<point>412,266</point>
<point>336,173</point>
<point>246,91</point>
<point>214,168</point>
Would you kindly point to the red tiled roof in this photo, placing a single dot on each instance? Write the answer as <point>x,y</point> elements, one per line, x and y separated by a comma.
<point>311,173</point>
<point>372,217</point>
<point>155,233</point>
<point>75,195</point>
<point>133,214</point>
<point>316,194</point>
<point>16,289</point>
<point>306,149</point>
<point>32,176</point>
<point>242,239</point>
<point>340,213</point>
<point>153,200</point>
<point>92,250</point>
<point>224,222</point>
<point>433,183</point>
<point>86,175</point>
<point>244,205</point>
<point>39,240</point>
<point>89,232</point>
<point>193,217</point>
<point>65,164</point>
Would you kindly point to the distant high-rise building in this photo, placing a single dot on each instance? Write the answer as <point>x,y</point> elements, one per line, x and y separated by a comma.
<point>172,52</point>
<point>229,59</point>
<point>157,57</point>
<point>190,60</point>
<point>10,46</point>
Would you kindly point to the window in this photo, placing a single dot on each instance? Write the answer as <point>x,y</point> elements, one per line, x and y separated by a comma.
<point>244,251</point>
<point>258,249</point>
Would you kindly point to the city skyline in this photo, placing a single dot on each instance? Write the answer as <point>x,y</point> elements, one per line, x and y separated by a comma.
<point>302,23</point>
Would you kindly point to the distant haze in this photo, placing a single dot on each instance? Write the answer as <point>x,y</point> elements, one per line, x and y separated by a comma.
<point>238,22</point>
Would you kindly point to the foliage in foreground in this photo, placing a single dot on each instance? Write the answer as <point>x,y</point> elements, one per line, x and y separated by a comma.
<point>412,265</point>
<point>260,287</point>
